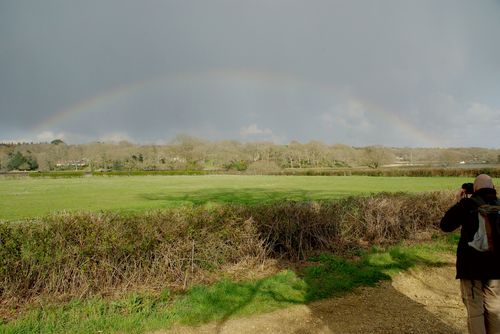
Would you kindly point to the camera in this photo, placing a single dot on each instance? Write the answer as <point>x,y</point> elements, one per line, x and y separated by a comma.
<point>469,188</point>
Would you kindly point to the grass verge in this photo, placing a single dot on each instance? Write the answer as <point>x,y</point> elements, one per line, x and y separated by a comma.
<point>321,277</point>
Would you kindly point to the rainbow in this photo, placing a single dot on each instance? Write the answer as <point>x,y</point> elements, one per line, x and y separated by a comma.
<point>93,103</point>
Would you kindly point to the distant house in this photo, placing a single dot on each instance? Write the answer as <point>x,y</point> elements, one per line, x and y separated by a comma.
<point>72,163</point>
<point>178,159</point>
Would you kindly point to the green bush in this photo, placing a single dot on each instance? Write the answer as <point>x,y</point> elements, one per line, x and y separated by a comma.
<point>240,165</point>
<point>151,172</point>
<point>70,174</point>
<point>17,161</point>
<point>58,174</point>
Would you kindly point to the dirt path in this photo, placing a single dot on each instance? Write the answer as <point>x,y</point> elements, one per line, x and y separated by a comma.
<point>417,301</point>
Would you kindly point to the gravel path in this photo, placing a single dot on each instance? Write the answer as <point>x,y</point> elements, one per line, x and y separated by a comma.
<point>417,301</point>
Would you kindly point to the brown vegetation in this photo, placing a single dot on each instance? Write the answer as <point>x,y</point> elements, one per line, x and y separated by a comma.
<point>98,253</point>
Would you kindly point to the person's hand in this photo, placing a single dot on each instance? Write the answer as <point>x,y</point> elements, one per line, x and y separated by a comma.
<point>460,194</point>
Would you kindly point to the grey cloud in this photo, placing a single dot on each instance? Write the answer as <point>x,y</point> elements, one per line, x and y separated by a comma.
<point>293,67</point>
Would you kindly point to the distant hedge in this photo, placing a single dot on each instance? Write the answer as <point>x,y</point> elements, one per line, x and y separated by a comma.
<point>58,174</point>
<point>69,174</point>
<point>152,172</point>
<point>83,254</point>
<point>411,172</point>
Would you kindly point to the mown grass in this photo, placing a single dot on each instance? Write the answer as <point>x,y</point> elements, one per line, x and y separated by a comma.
<point>324,276</point>
<point>23,198</point>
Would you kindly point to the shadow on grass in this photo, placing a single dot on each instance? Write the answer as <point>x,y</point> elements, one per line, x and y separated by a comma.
<point>334,275</point>
<point>326,276</point>
<point>242,195</point>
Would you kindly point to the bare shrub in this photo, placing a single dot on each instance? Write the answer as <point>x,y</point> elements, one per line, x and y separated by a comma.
<point>393,217</point>
<point>294,229</point>
<point>83,254</point>
<point>263,167</point>
<point>88,253</point>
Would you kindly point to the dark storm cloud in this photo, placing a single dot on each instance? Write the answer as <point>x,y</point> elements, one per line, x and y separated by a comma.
<point>358,72</point>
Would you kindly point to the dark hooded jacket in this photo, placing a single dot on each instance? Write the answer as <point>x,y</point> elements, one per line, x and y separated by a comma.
<point>471,264</point>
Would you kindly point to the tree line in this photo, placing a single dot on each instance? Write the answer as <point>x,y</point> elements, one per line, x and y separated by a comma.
<point>190,153</point>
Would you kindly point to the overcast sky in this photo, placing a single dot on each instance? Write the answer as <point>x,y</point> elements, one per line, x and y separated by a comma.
<point>393,73</point>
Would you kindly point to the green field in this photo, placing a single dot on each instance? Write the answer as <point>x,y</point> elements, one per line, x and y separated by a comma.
<point>27,197</point>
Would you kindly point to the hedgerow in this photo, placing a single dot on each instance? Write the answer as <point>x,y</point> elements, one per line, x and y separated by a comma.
<point>85,254</point>
<point>390,171</point>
